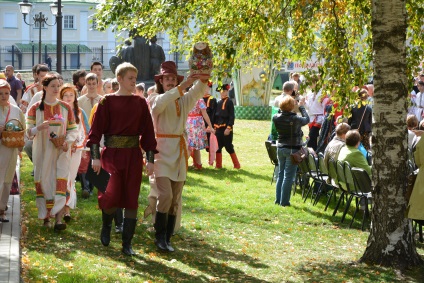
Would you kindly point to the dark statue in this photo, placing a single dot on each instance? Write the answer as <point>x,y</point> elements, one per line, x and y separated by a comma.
<point>127,53</point>
<point>157,57</point>
<point>142,58</point>
<point>146,57</point>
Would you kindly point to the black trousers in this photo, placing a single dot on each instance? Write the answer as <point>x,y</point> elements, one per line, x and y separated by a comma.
<point>313,137</point>
<point>224,141</point>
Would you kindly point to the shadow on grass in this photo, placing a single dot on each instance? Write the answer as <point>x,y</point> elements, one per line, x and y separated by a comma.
<point>338,271</point>
<point>336,219</point>
<point>204,262</point>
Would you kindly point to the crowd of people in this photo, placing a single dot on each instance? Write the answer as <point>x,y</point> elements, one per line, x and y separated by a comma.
<point>327,129</point>
<point>340,138</point>
<point>118,126</point>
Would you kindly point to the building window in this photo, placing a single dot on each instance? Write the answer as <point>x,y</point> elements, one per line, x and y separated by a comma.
<point>93,24</point>
<point>10,20</point>
<point>68,22</point>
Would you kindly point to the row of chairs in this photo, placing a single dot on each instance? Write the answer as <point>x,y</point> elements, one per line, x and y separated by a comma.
<point>353,183</point>
<point>328,179</point>
<point>317,179</point>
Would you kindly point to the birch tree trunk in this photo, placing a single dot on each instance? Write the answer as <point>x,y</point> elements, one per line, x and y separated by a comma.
<point>391,240</point>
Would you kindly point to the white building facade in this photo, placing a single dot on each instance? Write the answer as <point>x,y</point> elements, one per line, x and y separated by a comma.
<point>82,42</point>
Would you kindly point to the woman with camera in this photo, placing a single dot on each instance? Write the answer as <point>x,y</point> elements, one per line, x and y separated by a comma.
<point>289,128</point>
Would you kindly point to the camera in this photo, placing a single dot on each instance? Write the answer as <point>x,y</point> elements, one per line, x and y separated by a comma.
<point>295,95</point>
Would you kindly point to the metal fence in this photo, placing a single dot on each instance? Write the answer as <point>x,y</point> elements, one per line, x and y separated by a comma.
<point>74,56</point>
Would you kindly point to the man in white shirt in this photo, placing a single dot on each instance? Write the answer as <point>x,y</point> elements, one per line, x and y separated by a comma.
<point>32,90</point>
<point>419,101</point>
<point>315,104</point>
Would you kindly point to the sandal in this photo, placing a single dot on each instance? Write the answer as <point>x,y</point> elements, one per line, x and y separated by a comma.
<point>46,222</point>
<point>67,218</point>
<point>59,226</point>
<point>3,218</point>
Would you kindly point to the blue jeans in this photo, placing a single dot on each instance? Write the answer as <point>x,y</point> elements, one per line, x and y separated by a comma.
<point>286,175</point>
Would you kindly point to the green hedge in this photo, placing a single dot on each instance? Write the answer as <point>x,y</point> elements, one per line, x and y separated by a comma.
<point>253,112</point>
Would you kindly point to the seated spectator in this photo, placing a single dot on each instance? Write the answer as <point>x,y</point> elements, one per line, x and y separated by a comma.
<point>412,124</point>
<point>333,148</point>
<point>351,153</point>
<point>417,138</point>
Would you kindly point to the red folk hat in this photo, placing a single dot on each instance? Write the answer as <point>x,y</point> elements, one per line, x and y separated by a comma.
<point>168,68</point>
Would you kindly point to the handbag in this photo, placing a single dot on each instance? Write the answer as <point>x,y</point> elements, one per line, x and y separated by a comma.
<point>298,156</point>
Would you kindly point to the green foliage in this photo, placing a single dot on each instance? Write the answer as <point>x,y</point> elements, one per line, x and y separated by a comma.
<point>249,33</point>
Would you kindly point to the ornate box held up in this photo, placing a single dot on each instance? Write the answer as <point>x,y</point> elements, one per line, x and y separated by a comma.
<point>200,61</point>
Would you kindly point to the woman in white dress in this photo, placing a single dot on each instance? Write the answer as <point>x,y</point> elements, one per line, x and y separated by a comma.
<point>47,119</point>
<point>68,94</point>
<point>8,156</point>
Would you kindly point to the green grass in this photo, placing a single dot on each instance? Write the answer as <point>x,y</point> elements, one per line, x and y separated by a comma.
<point>232,232</point>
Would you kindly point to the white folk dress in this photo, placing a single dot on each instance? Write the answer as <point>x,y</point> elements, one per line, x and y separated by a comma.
<point>8,156</point>
<point>51,165</point>
<point>80,142</point>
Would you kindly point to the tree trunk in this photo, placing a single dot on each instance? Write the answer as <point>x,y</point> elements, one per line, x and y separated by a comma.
<point>391,240</point>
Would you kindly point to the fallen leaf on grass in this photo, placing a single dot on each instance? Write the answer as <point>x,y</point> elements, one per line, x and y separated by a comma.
<point>69,265</point>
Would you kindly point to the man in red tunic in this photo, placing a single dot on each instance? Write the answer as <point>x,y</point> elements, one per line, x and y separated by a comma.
<point>125,121</point>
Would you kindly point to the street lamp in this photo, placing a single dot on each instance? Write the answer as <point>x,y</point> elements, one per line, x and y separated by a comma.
<point>56,10</point>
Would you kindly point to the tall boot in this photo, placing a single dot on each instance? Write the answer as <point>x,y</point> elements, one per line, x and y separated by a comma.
<point>160,227</point>
<point>218,161</point>
<point>119,220</point>
<point>106,227</point>
<point>127,235</point>
<point>170,230</point>
<point>84,185</point>
<point>235,160</point>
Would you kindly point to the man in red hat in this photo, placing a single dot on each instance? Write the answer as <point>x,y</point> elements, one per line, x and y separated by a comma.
<point>170,107</point>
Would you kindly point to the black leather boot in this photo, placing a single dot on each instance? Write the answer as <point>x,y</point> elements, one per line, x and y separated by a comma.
<point>119,220</point>
<point>170,230</point>
<point>127,235</point>
<point>160,227</point>
<point>106,227</point>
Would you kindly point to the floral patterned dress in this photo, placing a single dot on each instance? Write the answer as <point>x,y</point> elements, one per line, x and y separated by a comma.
<point>195,127</point>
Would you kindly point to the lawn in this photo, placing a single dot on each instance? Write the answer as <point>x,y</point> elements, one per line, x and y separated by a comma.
<point>231,232</point>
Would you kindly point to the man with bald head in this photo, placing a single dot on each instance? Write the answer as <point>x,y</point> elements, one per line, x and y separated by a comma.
<point>15,84</point>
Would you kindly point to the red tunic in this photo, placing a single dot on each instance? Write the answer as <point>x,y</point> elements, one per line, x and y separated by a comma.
<point>122,116</point>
